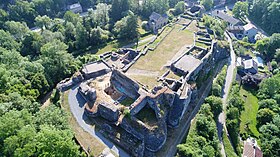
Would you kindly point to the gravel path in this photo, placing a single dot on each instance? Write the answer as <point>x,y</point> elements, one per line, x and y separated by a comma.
<point>132,72</point>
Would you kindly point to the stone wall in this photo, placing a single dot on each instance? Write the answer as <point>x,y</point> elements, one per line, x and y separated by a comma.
<point>124,84</point>
<point>178,109</point>
<point>108,111</point>
<point>139,104</point>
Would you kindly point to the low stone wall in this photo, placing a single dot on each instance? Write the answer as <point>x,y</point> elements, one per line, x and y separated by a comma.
<point>152,49</point>
<point>131,63</point>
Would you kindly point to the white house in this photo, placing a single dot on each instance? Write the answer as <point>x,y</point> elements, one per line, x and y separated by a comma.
<point>75,8</point>
<point>250,31</point>
<point>156,21</point>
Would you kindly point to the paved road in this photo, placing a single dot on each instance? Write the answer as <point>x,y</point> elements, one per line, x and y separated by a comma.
<point>229,79</point>
<point>76,103</point>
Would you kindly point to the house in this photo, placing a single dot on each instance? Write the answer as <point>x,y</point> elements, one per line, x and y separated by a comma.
<point>247,65</point>
<point>157,21</point>
<point>250,31</point>
<point>223,16</point>
<point>219,3</point>
<point>75,8</point>
<point>250,66</point>
<point>259,61</point>
<point>251,149</point>
<point>237,31</point>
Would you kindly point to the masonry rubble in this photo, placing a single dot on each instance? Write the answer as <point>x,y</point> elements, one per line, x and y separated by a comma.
<point>168,102</point>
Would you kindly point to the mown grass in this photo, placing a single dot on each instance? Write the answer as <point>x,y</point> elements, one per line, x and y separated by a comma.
<point>161,36</point>
<point>248,116</point>
<point>154,60</point>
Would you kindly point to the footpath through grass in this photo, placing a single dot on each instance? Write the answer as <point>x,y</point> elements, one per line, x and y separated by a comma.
<point>248,116</point>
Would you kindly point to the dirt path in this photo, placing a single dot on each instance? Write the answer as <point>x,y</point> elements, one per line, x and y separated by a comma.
<point>132,72</point>
<point>141,41</point>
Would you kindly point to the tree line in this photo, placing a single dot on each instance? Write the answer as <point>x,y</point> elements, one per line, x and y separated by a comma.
<point>202,139</point>
<point>33,62</point>
<point>268,117</point>
<point>266,13</point>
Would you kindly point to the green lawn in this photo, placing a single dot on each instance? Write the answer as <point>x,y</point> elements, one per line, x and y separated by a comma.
<point>161,36</point>
<point>228,148</point>
<point>248,116</point>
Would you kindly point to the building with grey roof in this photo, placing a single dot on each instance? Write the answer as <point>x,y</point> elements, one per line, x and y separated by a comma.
<point>157,21</point>
<point>250,31</point>
<point>75,8</point>
<point>229,19</point>
<point>237,31</point>
<point>95,69</point>
<point>185,65</point>
<point>250,66</point>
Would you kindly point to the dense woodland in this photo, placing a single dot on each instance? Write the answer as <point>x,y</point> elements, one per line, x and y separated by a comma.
<point>33,62</point>
<point>266,13</point>
<point>268,117</point>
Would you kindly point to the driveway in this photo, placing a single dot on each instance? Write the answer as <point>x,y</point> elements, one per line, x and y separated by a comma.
<point>76,102</point>
<point>229,78</point>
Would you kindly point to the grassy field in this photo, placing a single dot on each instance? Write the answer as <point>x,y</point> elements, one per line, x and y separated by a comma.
<point>114,45</point>
<point>248,116</point>
<point>108,47</point>
<point>192,26</point>
<point>155,60</point>
<point>161,36</point>
<point>149,81</point>
<point>86,140</point>
<point>228,148</point>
